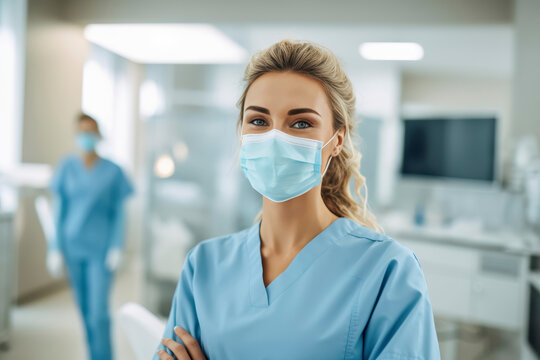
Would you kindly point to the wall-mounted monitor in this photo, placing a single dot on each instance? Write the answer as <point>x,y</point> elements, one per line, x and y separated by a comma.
<point>442,147</point>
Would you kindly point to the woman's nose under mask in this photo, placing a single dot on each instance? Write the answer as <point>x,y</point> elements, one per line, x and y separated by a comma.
<point>280,166</point>
<point>87,141</point>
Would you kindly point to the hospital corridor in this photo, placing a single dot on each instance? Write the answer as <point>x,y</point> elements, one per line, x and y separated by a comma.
<point>269,180</point>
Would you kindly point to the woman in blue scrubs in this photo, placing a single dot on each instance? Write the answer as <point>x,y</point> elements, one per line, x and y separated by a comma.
<point>89,213</point>
<point>314,277</point>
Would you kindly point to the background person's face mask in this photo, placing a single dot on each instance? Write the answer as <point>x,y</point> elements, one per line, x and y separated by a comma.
<point>281,166</point>
<point>87,141</point>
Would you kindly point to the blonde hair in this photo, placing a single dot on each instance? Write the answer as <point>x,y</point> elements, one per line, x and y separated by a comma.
<point>322,65</point>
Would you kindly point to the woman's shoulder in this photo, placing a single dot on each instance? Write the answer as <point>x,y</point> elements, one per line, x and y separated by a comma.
<point>111,167</point>
<point>73,158</point>
<point>216,248</point>
<point>361,239</point>
<point>110,164</point>
<point>67,160</point>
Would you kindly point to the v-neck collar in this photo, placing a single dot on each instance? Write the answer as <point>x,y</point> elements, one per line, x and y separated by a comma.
<point>92,169</point>
<point>262,296</point>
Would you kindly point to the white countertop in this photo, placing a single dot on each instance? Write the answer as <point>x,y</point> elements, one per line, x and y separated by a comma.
<point>470,234</point>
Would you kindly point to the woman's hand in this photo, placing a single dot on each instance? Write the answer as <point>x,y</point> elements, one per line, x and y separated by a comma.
<point>55,263</point>
<point>193,351</point>
<point>113,260</point>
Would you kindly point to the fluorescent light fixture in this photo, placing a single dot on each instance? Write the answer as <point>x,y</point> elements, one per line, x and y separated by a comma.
<point>167,43</point>
<point>407,51</point>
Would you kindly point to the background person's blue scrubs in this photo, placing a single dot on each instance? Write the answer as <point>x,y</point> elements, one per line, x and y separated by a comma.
<point>90,220</point>
<point>350,293</point>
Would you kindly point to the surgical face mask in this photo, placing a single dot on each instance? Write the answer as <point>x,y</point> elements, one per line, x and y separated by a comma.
<point>87,141</point>
<point>280,166</point>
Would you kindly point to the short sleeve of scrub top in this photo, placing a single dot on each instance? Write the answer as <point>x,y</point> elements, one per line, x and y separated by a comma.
<point>350,293</point>
<point>123,187</point>
<point>56,184</point>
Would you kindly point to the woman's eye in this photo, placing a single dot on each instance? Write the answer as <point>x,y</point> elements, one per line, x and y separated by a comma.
<point>258,122</point>
<point>301,124</point>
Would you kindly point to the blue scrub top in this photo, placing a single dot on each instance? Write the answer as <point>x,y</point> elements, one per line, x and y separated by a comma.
<point>350,293</point>
<point>90,199</point>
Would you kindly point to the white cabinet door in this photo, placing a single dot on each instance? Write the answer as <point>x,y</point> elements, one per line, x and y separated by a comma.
<point>497,301</point>
<point>450,294</point>
<point>483,287</point>
<point>448,271</point>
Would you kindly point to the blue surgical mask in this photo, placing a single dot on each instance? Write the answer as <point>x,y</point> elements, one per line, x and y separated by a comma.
<point>87,141</point>
<point>280,166</point>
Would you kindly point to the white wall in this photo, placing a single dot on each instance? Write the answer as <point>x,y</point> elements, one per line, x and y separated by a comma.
<point>526,90</point>
<point>55,54</point>
<point>110,94</point>
<point>377,88</point>
<point>12,43</point>
<point>462,94</point>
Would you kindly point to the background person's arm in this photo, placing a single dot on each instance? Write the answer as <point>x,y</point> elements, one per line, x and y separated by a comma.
<point>116,246</point>
<point>58,207</point>
<point>123,189</point>
<point>55,260</point>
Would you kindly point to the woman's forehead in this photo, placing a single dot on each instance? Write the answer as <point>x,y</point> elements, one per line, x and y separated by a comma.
<point>282,91</point>
<point>88,125</point>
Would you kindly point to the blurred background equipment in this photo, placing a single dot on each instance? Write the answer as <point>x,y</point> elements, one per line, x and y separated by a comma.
<point>454,148</point>
<point>532,189</point>
<point>524,153</point>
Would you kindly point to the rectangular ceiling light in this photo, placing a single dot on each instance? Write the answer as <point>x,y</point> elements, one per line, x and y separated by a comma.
<point>408,51</point>
<point>167,43</point>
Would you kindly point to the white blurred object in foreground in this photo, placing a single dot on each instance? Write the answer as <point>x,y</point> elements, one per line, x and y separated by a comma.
<point>532,193</point>
<point>142,329</point>
<point>525,152</point>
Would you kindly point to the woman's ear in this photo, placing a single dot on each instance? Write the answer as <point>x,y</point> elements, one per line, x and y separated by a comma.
<point>340,140</point>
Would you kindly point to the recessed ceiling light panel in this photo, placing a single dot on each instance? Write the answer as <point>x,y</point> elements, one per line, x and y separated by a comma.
<point>167,43</point>
<point>401,51</point>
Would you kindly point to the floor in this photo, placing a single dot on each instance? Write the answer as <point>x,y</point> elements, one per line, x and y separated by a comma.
<point>50,327</point>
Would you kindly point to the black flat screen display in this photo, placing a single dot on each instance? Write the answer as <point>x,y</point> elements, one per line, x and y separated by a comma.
<point>452,148</point>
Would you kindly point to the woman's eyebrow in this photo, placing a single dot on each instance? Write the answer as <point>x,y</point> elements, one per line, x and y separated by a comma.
<point>302,110</point>
<point>291,112</point>
<point>259,109</point>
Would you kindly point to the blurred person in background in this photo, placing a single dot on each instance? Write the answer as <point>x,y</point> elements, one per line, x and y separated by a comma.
<point>89,193</point>
<point>314,277</point>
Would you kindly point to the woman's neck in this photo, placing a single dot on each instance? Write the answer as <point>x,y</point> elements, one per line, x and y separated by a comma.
<point>290,225</point>
<point>89,158</point>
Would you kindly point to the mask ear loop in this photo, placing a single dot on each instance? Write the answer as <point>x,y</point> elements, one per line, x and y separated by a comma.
<point>327,165</point>
<point>332,138</point>
<point>330,158</point>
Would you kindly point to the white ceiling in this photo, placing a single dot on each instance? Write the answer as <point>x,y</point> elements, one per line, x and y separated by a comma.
<point>461,36</point>
<point>420,12</point>
<point>476,50</point>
